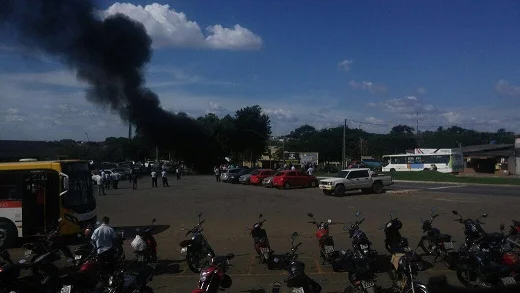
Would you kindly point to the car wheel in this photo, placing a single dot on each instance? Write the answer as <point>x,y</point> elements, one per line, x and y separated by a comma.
<point>339,190</point>
<point>287,185</point>
<point>314,184</point>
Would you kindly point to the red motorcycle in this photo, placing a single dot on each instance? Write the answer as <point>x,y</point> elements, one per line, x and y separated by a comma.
<point>213,278</point>
<point>144,244</point>
<point>325,241</point>
<point>261,241</point>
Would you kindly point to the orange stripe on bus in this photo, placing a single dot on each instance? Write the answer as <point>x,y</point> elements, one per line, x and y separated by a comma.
<point>10,204</point>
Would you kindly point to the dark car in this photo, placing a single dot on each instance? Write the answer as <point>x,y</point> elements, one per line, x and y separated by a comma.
<point>233,178</point>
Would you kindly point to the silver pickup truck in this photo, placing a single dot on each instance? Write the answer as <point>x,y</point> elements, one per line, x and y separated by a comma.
<point>354,179</point>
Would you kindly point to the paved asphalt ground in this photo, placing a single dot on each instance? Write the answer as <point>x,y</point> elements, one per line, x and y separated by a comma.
<point>229,208</point>
<point>458,188</point>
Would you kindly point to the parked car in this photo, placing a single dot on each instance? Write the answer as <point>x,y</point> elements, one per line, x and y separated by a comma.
<point>125,174</point>
<point>267,181</point>
<point>258,177</point>
<point>113,174</point>
<point>224,177</point>
<point>288,179</point>
<point>354,179</point>
<point>245,179</point>
<point>235,177</point>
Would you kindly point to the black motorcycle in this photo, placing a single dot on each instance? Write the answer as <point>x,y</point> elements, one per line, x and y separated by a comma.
<point>197,250</point>
<point>297,280</point>
<point>361,272</point>
<point>132,281</point>
<point>433,242</point>
<point>360,242</point>
<point>261,241</point>
<point>10,281</point>
<point>406,263</point>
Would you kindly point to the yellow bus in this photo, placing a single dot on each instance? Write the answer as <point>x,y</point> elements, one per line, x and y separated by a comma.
<point>35,194</point>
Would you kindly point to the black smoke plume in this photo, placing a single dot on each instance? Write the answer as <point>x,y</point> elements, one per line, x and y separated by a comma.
<point>109,55</point>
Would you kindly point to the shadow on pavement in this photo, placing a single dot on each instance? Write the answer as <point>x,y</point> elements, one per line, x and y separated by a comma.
<point>130,231</point>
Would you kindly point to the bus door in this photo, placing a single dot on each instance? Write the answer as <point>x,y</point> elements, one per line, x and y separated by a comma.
<point>41,201</point>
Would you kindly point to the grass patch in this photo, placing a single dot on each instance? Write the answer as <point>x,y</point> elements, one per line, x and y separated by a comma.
<point>442,177</point>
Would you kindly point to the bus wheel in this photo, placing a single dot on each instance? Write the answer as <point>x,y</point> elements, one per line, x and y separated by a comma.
<point>8,234</point>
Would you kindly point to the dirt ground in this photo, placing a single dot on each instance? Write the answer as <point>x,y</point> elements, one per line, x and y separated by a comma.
<point>229,209</point>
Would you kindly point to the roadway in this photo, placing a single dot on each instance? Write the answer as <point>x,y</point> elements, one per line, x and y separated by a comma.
<point>457,188</point>
<point>228,209</point>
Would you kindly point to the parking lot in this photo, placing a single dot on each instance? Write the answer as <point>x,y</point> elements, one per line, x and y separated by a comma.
<point>229,208</point>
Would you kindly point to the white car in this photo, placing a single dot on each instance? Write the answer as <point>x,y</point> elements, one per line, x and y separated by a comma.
<point>113,175</point>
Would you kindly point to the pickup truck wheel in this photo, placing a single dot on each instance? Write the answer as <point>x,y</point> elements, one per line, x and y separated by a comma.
<point>392,170</point>
<point>339,190</point>
<point>377,187</point>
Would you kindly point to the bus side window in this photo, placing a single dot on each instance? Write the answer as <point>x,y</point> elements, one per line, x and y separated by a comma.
<point>9,187</point>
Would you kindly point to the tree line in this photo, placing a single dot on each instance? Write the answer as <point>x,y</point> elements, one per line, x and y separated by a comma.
<point>246,135</point>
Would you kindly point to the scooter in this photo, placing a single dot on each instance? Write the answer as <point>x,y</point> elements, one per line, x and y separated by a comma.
<point>213,278</point>
<point>144,244</point>
<point>261,241</point>
<point>196,249</point>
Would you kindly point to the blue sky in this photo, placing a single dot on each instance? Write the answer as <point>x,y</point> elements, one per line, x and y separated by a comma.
<point>375,63</point>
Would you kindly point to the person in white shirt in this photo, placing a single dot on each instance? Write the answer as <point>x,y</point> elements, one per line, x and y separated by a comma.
<point>154,178</point>
<point>293,168</point>
<point>101,186</point>
<point>310,171</point>
<point>164,179</point>
<point>103,238</point>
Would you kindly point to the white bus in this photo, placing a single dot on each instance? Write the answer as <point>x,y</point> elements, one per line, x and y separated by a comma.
<point>443,160</point>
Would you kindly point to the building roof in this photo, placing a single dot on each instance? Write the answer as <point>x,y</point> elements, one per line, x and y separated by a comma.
<point>486,148</point>
<point>14,150</point>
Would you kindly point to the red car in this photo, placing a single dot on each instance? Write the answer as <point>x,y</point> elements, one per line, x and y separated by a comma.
<point>288,179</point>
<point>259,175</point>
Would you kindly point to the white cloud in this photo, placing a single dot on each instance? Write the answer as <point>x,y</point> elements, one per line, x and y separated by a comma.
<point>369,86</point>
<point>408,106</point>
<point>169,28</point>
<point>58,77</point>
<point>281,114</point>
<point>503,88</point>
<point>345,65</point>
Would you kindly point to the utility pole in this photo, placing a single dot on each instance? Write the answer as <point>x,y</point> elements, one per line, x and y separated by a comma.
<point>344,147</point>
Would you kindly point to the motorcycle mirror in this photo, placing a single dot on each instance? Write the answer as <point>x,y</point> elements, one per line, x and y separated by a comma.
<point>455,212</point>
<point>392,214</point>
<point>502,227</point>
<point>484,215</point>
<point>199,215</point>
<point>329,221</point>
<point>260,216</point>
<point>345,228</point>
<point>358,213</point>
<point>154,220</point>
<point>310,215</point>
<point>422,220</point>
<point>294,235</point>
<point>230,256</point>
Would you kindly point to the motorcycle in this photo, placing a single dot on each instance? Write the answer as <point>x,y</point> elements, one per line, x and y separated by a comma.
<point>144,244</point>
<point>261,241</point>
<point>197,248</point>
<point>406,263</point>
<point>361,272</point>
<point>10,281</point>
<point>514,238</point>
<point>297,280</point>
<point>360,242</point>
<point>44,251</point>
<point>474,233</point>
<point>135,281</point>
<point>325,241</point>
<point>437,244</point>
<point>213,278</point>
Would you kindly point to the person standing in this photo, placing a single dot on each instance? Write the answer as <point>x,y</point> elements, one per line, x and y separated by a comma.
<point>178,172</point>
<point>102,238</point>
<point>310,171</point>
<point>217,173</point>
<point>134,181</point>
<point>101,185</point>
<point>131,177</point>
<point>154,178</point>
<point>164,179</point>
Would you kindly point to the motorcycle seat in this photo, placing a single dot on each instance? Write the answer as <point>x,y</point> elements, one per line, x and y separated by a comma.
<point>395,259</point>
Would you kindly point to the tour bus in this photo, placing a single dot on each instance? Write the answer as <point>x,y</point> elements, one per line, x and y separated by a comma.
<point>35,194</point>
<point>441,160</point>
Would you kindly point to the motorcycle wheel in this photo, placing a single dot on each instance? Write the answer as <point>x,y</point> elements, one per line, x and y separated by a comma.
<point>417,290</point>
<point>464,276</point>
<point>426,245</point>
<point>193,262</point>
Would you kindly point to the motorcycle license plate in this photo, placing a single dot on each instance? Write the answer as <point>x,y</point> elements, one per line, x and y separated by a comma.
<point>298,290</point>
<point>328,249</point>
<point>367,284</point>
<point>184,250</point>
<point>66,289</point>
<point>362,246</point>
<point>264,250</point>
<point>77,257</point>
<point>508,281</point>
<point>28,253</point>
<point>448,245</point>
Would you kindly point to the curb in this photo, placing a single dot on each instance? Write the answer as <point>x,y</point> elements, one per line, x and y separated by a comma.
<point>457,183</point>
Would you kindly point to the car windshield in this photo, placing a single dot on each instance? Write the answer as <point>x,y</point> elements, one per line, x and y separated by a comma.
<point>255,172</point>
<point>342,174</point>
<point>120,170</point>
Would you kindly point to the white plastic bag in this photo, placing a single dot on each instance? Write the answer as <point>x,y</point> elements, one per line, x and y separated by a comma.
<point>138,243</point>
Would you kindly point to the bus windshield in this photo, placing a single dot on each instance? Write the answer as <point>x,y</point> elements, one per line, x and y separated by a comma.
<point>80,191</point>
